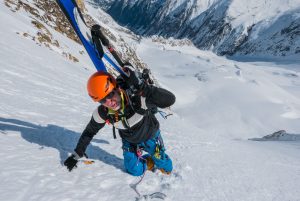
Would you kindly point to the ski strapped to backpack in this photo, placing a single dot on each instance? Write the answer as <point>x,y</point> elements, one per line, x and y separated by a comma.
<point>98,35</point>
<point>76,19</point>
<point>99,39</point>
<point>93,39</point>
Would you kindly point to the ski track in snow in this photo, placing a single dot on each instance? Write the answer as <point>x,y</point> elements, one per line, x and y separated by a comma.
<point>220,105</point>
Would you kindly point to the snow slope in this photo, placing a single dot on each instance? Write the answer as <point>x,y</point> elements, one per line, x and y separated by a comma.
<point>220,105</point>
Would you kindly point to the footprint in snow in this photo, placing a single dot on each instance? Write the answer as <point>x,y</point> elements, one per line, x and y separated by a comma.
<point>201,76</point>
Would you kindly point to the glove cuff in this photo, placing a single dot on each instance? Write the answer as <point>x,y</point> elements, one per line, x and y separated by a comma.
<point>76,156</point>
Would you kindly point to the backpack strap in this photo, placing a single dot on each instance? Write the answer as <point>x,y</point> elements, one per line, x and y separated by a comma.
<point>114,115</point>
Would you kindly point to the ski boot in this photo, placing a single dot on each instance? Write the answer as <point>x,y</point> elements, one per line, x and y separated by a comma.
<point>151,166</point>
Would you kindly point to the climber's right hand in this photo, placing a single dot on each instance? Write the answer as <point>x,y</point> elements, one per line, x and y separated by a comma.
<point>71,162</point>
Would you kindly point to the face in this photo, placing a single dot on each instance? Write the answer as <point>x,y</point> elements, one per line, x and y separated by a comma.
<point>112,100</point>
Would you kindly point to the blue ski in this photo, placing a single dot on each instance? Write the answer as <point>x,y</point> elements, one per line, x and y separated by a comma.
<point>74,15</point>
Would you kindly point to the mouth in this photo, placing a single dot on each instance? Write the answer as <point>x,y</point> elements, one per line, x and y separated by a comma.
<point>114,105</point>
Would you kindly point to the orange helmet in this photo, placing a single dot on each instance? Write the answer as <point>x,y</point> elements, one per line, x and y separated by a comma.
<point>100,85</point>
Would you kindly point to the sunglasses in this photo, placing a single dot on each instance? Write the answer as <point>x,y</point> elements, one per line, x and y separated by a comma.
<point>109,96</point>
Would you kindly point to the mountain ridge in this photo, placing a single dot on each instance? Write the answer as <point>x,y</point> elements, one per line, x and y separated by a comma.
<point>226,27</point>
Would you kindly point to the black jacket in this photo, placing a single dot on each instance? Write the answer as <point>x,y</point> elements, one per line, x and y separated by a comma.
<point>136,125</point>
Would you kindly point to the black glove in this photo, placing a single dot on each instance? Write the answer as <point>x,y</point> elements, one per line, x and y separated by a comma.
<point>71,162</point>
<point>146,76</point>
<point>132,78</point>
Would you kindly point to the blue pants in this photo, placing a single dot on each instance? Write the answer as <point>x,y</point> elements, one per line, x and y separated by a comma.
<point>136,166</point>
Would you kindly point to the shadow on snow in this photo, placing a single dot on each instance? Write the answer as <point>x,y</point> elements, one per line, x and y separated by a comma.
<point>60,138</point>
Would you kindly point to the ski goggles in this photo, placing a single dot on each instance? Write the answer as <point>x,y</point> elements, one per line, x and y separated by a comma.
<point>109,96</point>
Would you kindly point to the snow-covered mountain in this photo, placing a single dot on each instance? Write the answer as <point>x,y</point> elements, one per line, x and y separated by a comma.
<point>220,104</point>
<point>46,15</point>
<point>235,27</point>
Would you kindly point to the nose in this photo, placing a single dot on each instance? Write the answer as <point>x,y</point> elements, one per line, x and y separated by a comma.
<point>109,102</point>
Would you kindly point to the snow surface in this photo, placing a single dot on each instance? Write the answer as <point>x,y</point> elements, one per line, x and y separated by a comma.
<point>247,13</point>
<point>220,105</point>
